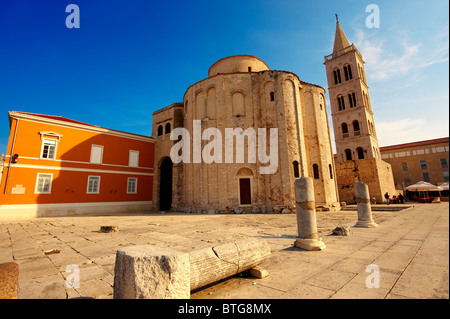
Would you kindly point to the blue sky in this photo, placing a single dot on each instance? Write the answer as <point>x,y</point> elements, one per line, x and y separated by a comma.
<point>132,57</point>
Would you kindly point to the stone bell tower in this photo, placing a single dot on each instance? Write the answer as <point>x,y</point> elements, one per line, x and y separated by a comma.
<point>352,115</point>
<point>358,155</point>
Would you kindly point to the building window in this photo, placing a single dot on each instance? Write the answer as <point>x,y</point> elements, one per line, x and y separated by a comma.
<point>160,130</point>
<point>48,149</point>
<point>316,171</point>
<point>348,154</point>
<point>352,99</point>
<point>341,103</point>
<point>249,69</point>
<point>405,167</point>
<point>133,159</point>
<point>344,130</point>
<point>426,177</point>
<point>331,170</point>
<point>272,96</point>
<point>423,165</point>
<point>96,154</point>
<point>407,179</point>
<point>167,128</point>
<point>445,173</point>
<point>93,185</point>
<point>356,130</point>
<point>296,172</point>
<point>337,76</point>
<point>348,72</point>
<point>360,152</point>
<point>43,183</point>
<point>132,186</point>
<point>444,163</point>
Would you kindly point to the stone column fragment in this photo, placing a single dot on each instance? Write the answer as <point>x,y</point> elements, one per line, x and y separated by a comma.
<point>219,262</point>
<point>308,237</point>
<point>363,205</point>
<point>150,272</point>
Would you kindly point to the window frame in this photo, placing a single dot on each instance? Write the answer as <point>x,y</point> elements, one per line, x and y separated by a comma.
<point>48,141</point>
<point>423,165</point>
<point>135,185</point>
<point>36,191</point>
<point>98,185</point>
<point>101,153</point>
<point>129,158</point>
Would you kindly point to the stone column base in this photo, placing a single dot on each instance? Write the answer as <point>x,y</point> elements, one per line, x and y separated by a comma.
<point>366,224</point>
<point>310,244</point>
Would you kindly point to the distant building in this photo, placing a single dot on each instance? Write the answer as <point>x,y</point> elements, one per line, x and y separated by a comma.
<point>55,166</point>
<point>418,161</point>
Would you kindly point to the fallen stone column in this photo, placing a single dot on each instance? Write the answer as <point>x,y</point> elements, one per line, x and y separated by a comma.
<point>308,237</point>
<point>219,262</point>
<point>363,205</point>
<point>149,272</point>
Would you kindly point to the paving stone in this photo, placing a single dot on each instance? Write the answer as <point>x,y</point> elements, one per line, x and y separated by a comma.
<point>9,280</point>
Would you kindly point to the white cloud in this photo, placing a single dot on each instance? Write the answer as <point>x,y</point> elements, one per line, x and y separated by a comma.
<point>387,59</point>
<point>405,131</point>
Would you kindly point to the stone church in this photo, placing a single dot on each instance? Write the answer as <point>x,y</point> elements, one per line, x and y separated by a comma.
<point>241,93</point>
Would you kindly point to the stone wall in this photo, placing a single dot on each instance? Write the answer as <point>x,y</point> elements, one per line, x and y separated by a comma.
<point>376,173</point>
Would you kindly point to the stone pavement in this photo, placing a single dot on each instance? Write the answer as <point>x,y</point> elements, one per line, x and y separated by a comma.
<point>410,248</point>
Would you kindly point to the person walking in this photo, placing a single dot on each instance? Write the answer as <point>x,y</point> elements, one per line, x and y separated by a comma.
<point>387,197</point>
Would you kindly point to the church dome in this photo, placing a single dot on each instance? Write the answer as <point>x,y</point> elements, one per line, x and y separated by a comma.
<point>237,64</point>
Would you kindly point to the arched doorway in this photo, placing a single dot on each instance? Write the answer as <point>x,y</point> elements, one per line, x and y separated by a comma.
<point>165,184</point>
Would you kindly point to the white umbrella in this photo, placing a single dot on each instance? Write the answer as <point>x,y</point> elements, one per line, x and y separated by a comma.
<point>423,186</point>
<point>444,186</point>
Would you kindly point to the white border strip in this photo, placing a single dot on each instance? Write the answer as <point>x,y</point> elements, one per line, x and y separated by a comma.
<point>76,169</point>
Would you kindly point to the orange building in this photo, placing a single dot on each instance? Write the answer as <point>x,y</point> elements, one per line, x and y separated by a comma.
<point>55,166</point>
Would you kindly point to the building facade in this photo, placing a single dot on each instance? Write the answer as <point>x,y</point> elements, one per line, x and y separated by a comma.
<point>56,166</point>
<point>358,155</point>
<point>426,161</point>
<point>243,102</point>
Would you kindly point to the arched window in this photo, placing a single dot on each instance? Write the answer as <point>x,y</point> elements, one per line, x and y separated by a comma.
<point>272,96</point>
<point>167,128</point>
<point>296,172</point>
<point>360,152</point>
<point>331,170</point>
<point>344,130</point>
<point>316,171</point>
<point>348,154</point>
<point>337,76</point>
<point>211,103</point>
<point>160,130</point>
<point>238,103</point>
<point>356,129</point>
<point>348,72</point>
<point>352,99</point>
<point>341,103</point>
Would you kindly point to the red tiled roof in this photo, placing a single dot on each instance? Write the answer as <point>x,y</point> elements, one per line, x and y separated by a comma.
<point>420,143</point>
<point>56,117</point>
<point>65,119</point>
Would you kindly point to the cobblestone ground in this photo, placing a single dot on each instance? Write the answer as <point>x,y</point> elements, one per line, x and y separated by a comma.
<point>409,246</point>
